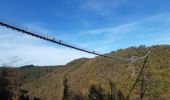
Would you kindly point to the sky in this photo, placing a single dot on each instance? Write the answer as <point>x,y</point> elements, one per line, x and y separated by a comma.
<point>100,25</point>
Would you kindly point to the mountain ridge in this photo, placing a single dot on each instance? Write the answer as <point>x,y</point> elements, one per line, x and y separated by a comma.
<point>83,73</point>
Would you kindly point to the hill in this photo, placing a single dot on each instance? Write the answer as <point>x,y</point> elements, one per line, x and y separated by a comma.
<point>29,73</point>
<point>12,78</point>
<point>107,78</point>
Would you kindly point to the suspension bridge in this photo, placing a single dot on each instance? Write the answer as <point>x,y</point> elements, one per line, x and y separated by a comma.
<point>59,42</point>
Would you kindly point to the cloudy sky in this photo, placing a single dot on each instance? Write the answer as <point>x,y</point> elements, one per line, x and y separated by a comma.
<point>100,25</point>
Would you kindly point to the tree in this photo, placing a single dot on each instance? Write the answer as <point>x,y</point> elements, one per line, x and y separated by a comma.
<point>9,86</point>
<point>95,94</point>
<point>112,95</point>
<point>66,90</point>
<point>120,95</point>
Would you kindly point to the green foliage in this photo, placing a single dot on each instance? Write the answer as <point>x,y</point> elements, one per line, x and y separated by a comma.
<point>95,94</point>
<point>66,90</point>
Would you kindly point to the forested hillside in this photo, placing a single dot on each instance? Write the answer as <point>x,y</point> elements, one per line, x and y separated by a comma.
<point>11,79</point>
<point>108,79</point>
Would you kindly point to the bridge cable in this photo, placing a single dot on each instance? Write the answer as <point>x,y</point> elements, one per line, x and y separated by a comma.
<point>25,31</point>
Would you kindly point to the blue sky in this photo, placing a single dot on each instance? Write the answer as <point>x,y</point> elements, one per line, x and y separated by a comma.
<point>100,25</point>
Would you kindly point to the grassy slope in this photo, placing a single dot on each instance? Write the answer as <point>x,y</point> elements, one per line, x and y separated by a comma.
<point>82,73</point>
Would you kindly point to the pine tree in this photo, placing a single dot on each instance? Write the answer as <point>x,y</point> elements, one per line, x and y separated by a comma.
<point>66,90</point>
<point>95,94</point>
<point>112,95</point>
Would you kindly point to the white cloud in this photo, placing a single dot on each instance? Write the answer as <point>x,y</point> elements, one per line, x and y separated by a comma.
<point>33,51</point>
<point>45,55</point>
<point>151,30</point>
<point>102,7</point>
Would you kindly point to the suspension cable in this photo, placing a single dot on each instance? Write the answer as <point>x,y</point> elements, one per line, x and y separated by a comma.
<point>59,42</point>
